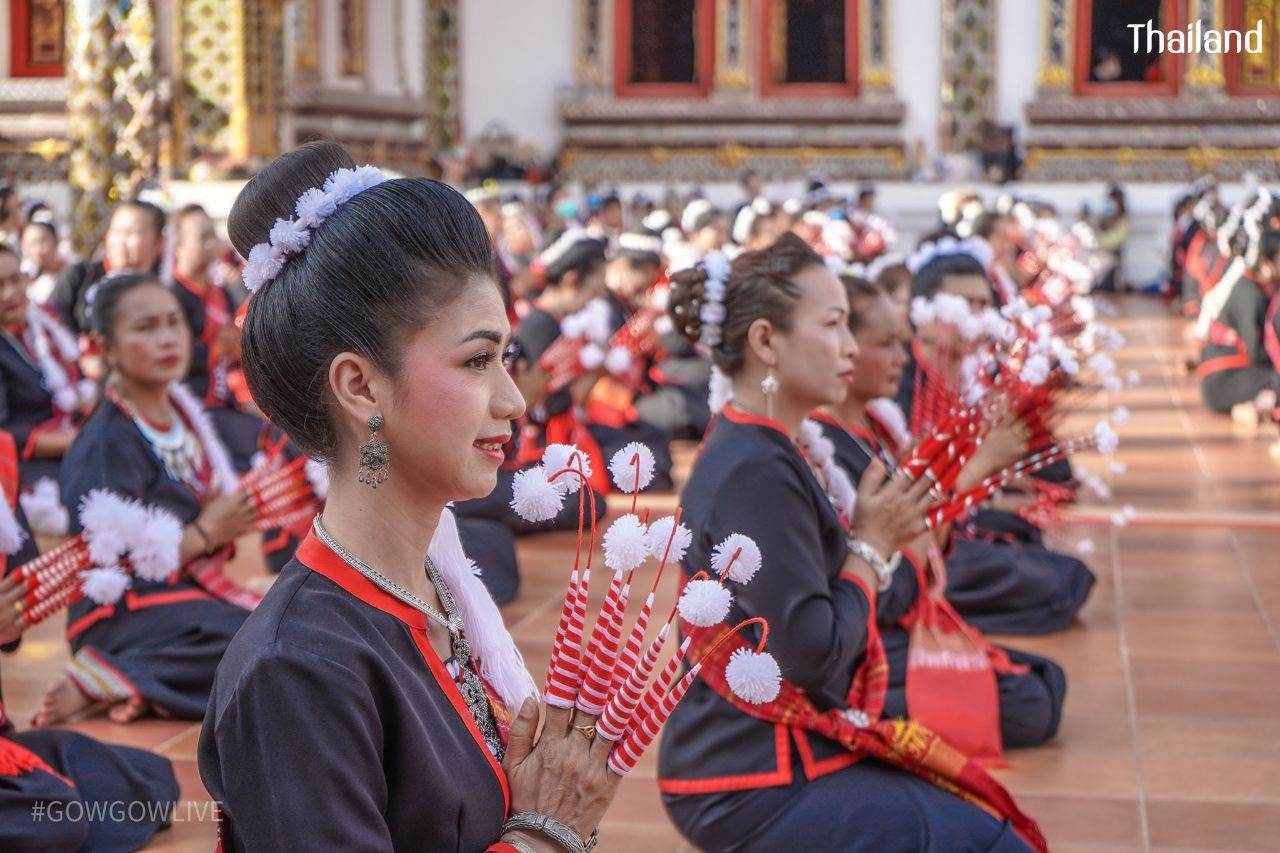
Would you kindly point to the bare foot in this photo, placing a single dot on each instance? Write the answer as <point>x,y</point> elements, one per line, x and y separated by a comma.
<point>128,710</point>
<point>63,701</point>
<point>1246,418</point>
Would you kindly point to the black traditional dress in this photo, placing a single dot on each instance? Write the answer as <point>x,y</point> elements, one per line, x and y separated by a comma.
<point>732,781</point>
<point>163,640</point>
<point>335,725</point>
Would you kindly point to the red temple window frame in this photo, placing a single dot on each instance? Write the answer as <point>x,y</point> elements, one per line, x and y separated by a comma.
<point>703,63</point>
<point>769,88</point>
<point>20,64</point>
<point>1233,63</point>
<point>1171,18</point>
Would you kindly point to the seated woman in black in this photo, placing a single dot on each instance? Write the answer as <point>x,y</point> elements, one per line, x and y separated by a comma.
<point>1031,690</point>
<point>149,439</point>
<point>57,786</point>
<point>42,398</point>
<point>738,777</point>
<point>1236,374</point>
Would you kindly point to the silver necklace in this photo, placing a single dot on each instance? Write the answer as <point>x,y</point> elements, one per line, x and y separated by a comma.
<point>472,688</point>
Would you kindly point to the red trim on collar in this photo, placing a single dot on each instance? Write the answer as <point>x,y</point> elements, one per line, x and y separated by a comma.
<point>193,287</point>
<point>860,432</point>
<point>737,416</point>
<point>321,559</point>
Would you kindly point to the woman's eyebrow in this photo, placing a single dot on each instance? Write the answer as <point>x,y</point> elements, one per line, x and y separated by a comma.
<point>486,334</point>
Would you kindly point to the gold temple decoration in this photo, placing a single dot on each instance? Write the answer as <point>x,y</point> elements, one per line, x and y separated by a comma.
<point>1058,53</point>
<point>731,44</point>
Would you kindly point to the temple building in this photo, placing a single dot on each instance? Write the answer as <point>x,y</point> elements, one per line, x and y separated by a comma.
<point>109,94</point>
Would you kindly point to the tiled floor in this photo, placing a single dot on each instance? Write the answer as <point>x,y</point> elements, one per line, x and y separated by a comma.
<point>1171,736</point>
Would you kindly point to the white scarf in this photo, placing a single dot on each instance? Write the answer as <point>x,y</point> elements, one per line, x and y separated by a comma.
<point>54,347</point>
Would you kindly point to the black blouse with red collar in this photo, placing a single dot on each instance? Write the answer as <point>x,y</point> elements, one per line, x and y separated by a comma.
<point>1236,337</point>
<point>334,725</point>
<point>749,478</point>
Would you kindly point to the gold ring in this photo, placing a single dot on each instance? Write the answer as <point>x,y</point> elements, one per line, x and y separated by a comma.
<point>20,605</point>
<point>588,732</point>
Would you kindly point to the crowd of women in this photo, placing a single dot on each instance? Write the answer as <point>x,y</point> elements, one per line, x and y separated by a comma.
<point>382,382</point>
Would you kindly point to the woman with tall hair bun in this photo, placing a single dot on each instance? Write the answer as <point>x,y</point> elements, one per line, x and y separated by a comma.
<point>153,644</point>
<point>374,700</point>
<point>820,767</point>
<point>1029,689</point>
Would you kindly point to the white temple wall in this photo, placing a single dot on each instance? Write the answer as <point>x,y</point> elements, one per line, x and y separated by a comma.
<point>516,59</point>
<point>915,54</point>
<point>1019,44</point>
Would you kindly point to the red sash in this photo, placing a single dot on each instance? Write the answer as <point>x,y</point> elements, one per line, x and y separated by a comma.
<point>903,743</point>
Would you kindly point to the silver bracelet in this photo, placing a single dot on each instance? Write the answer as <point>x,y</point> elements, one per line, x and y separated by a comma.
<point>520,846</point>
<point>883,568</point>
<point>558,832</point>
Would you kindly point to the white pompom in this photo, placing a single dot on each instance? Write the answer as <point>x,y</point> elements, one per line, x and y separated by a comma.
<point>87,391</point>
<point>660,533</point>
<point>1085,546</point>
<point>1035,370</point>
<point>591,356</point>
<point>533,498</point>
<point>105,518</point>
<point>704,603</point>
<point>557,457</point>
<point>618,360</point>
<point>1134,378</point>
<point>744,568</point>
<point>153,551</point>
<point>289,235</point>
<point>105,585</point>
<point>1105,438</point>
<point>1118,468</point>
<point>753,676</point>
<point>625,543</point>
<point>43,507</point>
<point>922,312</point>
<point>65,399</point>
<point>622,468</point>
<point>1120,415</point>
<point>1112,384</point>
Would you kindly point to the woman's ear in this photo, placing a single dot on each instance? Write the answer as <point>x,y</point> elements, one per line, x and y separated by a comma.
<point>360,389</point>
<point>761,342</point>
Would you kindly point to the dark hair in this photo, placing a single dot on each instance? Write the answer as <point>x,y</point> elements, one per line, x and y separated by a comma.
<point>929,278</point>
<point>104,306</point>
<point>6,249</point>
<point>583,257</point>
<point>158,217</point>
<point>374,273</point>
<point>894,277</point>
<point>760,286</point>
<point>41,223</point>
<point>861,294</point>
<point>986,223</point>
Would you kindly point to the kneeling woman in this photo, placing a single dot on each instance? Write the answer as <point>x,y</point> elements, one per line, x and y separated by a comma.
<point>1030,688</point>
<point>157,648</point>
<point>818,769</point>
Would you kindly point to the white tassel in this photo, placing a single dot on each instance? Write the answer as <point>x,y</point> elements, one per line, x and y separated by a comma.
<point>720,392</point>
<point>753,676</point>
<point>744,568</point>
<point>622,468</point>
<point>1105,438</point>
<point>501,664</point>
<point>660,533</point>
<point>625,543</point>
<point>533,498</point>
<point>104,585</point>
<point>591,356</point>
<point>318,475</point>
<point>887,411</point>
<point>704,603</point>
<point>225,478</point>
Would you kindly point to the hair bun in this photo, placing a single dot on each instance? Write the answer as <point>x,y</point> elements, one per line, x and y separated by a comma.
<point>688,294</point>
<point>273,193</point>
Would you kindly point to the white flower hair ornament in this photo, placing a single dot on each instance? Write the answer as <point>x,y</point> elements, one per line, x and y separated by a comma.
<point>290,236</point>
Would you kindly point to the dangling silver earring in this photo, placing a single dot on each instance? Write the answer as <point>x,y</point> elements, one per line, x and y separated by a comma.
<point>769,387</point>
<point>374,456</point>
